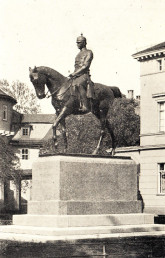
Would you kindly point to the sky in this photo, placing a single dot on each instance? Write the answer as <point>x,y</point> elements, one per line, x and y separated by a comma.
<point>44,32</point>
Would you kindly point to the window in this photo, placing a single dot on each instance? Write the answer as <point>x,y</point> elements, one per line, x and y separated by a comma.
<point>160,64</point>
<point>161,178</point>
<point>25,154</point>
<point>161,116</point>
<point>25,131</point>
<point>5,112</point>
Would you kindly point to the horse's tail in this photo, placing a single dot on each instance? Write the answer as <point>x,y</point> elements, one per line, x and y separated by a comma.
<point>116,92</point>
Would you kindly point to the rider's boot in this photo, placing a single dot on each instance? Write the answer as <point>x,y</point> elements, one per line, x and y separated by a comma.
<point>84,105</point>
<point>83,100</point>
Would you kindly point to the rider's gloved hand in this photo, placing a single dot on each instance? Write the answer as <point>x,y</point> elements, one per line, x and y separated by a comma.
<point>72,75</point>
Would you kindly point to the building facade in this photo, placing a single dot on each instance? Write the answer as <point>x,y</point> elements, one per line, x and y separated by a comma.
<point>152,135</point>
<point>6,114</point>
<point>150,155</point>
<point>151,152</point>
<point>7,131</point>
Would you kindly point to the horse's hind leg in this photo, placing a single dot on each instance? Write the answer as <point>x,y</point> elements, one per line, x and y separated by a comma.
<point>102,118</point>
<point>111,150</point>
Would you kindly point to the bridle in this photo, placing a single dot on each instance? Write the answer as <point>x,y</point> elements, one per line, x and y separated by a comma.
<point>47,95</point>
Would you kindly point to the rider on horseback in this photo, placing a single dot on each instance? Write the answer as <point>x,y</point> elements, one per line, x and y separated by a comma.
<point>81,83</point>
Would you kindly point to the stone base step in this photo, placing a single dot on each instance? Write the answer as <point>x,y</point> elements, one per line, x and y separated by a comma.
<point>55,239</point>
<point>53,231</point>
<point>64,221</point>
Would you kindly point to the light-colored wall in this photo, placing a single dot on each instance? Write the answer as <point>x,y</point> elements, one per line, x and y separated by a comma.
<point>149,67</point>
<point>126,152</point>
<point>150,84</point>
<point>153,139</point>
<point>148,181</point>
<point>33,155</point>
<point>148,177</point>
<point>26,165</point>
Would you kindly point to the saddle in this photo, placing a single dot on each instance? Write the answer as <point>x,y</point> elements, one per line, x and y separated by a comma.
<point>90,90</point>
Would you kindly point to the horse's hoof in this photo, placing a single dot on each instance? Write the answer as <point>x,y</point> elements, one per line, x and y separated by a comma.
<point>56,144</point>
<point>95,152</point>
<point>111,151</point>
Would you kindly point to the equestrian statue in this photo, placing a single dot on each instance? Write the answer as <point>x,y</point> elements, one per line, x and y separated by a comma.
<point>76,94</point>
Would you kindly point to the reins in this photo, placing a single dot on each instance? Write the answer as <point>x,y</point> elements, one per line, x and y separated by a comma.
<point>59,95</point>
<point>48,96</point>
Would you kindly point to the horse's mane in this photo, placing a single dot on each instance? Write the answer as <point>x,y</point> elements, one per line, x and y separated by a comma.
<point>51,73</point>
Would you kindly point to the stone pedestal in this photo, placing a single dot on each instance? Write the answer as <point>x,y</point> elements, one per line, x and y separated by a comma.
<point>82,197</point>
<point>64,185</point>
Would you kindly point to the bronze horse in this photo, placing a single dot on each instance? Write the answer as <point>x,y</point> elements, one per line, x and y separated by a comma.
<point>65,104</point>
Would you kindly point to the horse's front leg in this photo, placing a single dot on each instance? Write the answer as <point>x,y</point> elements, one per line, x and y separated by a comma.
<point>55,137</point>
<point>99,143</point>
<point>60,117</point>
<point>63,128</point>
<point>55,131</point>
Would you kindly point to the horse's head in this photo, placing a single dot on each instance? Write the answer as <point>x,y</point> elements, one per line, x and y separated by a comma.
<point>38,80</point>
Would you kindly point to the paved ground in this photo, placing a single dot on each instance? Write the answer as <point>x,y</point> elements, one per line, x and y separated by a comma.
<point>128,245</point>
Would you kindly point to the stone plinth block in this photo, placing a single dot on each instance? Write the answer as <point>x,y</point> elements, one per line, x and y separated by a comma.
<point>71,221</point>
<point>84,185</point>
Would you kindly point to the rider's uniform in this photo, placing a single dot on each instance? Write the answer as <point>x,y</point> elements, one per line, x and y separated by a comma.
<point>82,64</point>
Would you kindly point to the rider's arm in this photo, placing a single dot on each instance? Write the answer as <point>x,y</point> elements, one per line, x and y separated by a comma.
<point>86,65</point>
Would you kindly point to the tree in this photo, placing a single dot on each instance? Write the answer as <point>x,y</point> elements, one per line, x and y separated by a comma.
<point>84,131</point>
<point>27,101</point>
<point>125,122</point>
<point>9,162</point>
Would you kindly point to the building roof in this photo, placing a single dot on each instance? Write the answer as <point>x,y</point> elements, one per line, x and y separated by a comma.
<point>151,52</point>
<point>6,96</point>
<point>159,46</point>
<point>38,118</point>
<point>40,129</point>
<point>37,132</point>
